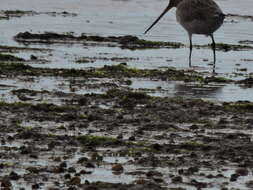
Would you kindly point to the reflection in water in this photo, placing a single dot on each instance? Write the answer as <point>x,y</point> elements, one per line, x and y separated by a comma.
<point>226,93</point>
<point>213,92</point>
<point>197,91</point>
<point>125,22</point>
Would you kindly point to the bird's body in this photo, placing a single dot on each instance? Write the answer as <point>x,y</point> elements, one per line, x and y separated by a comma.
<point>196,17</point>
<point>199,16</point>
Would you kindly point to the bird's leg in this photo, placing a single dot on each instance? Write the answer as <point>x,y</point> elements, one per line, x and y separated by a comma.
<point>214,54</point>
<point>190,55</point>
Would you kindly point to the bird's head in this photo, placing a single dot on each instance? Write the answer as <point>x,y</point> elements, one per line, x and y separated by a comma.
<point>172,3</point>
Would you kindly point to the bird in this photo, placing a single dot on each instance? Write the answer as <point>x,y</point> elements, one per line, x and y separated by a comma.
<point>196,17</point>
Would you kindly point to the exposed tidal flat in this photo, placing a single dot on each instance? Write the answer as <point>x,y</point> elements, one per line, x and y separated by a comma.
<point>88,102</point>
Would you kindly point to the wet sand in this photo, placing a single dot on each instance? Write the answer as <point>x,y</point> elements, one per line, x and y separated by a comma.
<point>89,102</point>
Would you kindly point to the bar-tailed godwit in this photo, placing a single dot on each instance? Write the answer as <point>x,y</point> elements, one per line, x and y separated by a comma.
<point>196,17</point>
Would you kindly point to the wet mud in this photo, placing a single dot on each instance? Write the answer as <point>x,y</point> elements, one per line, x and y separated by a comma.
<point>9,14</point>
<point>118,112</point>
<point>167,142</point>
<point>125,42</point>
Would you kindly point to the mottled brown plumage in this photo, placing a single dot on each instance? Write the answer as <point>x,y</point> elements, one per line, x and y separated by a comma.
<point>196,17</point>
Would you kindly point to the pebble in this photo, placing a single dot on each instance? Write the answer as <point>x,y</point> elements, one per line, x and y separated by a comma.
<point>75,181</point>
<point>117,168</point>
<point>177,179</point>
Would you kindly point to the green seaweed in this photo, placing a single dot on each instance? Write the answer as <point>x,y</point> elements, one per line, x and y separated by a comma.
<point>217,80</point>
<point>229,47</point>
<point>8,57</point>
<point>151,44</point>
<point>114,71</point>
<point>128,41</point>
<point>238,106</point>
<point>89,140</point>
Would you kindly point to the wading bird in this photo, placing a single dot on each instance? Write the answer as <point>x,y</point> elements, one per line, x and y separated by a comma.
<point>196,17</point>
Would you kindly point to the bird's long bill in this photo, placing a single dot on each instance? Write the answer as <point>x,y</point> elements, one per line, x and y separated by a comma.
<point>163,13</point>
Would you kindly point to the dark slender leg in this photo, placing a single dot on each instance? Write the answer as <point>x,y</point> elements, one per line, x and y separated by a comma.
<point>190,55</point>
<point>214,54</point>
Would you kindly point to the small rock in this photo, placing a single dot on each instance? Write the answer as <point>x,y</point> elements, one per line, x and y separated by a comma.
<point>177,179</point>
<point>91,188</point>
<point>120,116</point>
<point>75,181</point>
<point>3,142</point>
<point>82,160</point>
<point>72,188</point>
<point>57,159</point>
<point>210,176</point>
<point>33,57</point>
<point>222,121</point>
<point>14,176</point>
<point>58,170</point>
<point>117,168</point>
<point>153,173</point>
<point>63,165</point>
<point>199,185</point>
<point>77,174</point>
<point>82,101</point>
<point>34,156</point>
<point>83,172</point>
<point>35,186</point>
<point>120,136</point>
<point>157,147</point>
<point>194,127</point>
<point>249,184</point>
<point>5,183</point>
<point>181,171</point>
<point>25,150</point>
<point>234,177</point>
<point>71,170</point>
<point>192,170</point>
<point>90,165</point>
<point>158,180</point>
<point>140,181</point>
<point>32,169</point>
<point>67,176</point>
<point>92,117</point>
<point>242,171</point>
<point>96,157</point>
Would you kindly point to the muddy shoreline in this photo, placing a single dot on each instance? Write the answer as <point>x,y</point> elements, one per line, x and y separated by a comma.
<point>77,138</point>
<point>81,108</point>
<point>189,135</point>
<point>125,42</point>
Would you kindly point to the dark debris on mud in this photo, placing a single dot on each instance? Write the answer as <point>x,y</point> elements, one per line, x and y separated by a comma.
<point>8,14</point>
<point>147,129</point>
<point>15,66</point>
<point>250,17</point>
<point>248,82</point>
<point>142,142</point>
<point>125,42</point>
<point>115,71</point>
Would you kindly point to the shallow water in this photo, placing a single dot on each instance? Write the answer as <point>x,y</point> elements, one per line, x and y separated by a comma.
<point>211,92</point>
<point>96,17</point>
<point>122,17</point>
